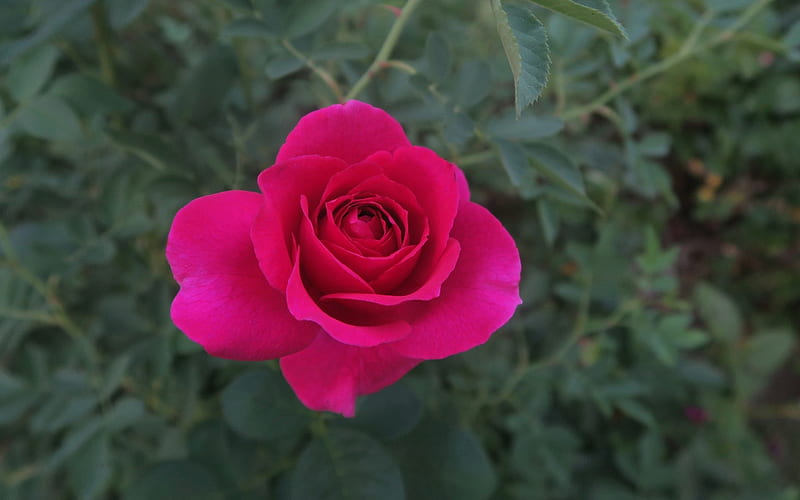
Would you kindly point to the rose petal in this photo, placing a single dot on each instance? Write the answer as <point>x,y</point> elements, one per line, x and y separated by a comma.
<point>347,328</point>
<point>224,303</point>
<point>463,186</point>
<point>329,376</point>
<point>434,184</point>
<point>479,296</point>
<point>372,268</point>
<point>279,216</point>
<point>209,235</point>
<point>342,183</point>
<point>350,131</point>
<point>239,317</point>
<point>322,270</point>
<point>430,289</point>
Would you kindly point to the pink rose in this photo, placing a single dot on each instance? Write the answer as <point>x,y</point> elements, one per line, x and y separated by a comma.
<point>361,257</point>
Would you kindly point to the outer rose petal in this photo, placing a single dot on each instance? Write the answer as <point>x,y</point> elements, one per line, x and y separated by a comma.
<point>209,235</point>
<point>237,317</point>
<point>224,303</point>
<point>463,187</point>
<point>350,131</point>
<point>479,296</point>
<point>329,376</point>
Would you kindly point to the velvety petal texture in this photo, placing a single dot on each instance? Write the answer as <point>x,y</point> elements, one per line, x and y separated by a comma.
<point>361,257</point>
<point>224,303</point>
<point>329,375</point>
<point>350,131</point>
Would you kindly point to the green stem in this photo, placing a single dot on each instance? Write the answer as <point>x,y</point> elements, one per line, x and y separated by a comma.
<point>102,34</point>
<point>247,74</point>
<point>476,158</point>
<point>578,331</point>
<point>385,50</point>
<point>689,50</point>
<point>59,315</point>
<point>321,73</point>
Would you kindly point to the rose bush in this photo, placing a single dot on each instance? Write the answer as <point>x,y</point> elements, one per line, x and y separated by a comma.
<point>361,257</point>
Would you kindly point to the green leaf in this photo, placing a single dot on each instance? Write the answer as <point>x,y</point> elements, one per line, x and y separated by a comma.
<point>344,464</point>
<point>655,259</point>
<point>27,77</point>
<point>176,480</point>
<point>637,411</point>
<point>690,338</point>
<point>89,470</point>
<point>766,351</point>
<point>89,96</point>
<point>654,144</point>
<point>458,128</point>
<point>792,37</point>
<point>121,13</point>
<point>438,58</point>
<point>247,27</point>
<point>239,5</point>
<point>56,18</point>
<point>73,441</point>
<point>596,13</point>
<point>472,83</point>
<point>49,117</point>
<point>559,169</point>
<point>548,220</point>
<point>114,375</point>
<point>718,312</point>
<point>528,127</point>
<point>203,91</point>
<point>727,5</point>
<point>441,461</point>
<point>305,17</point>
<point>151,148</point>
<point>524,40</point>
<point>515,162</point>
<point>259,405</point>
<point>390,413</point>
<point>125,413</point>
<point>283,66</point>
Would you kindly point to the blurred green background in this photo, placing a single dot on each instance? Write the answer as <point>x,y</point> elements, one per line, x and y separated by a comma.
<point>653,191</point>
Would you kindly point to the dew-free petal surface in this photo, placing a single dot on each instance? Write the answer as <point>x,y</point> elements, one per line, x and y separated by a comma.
<point>480,295</point>
<point>350,131</point>
<point>345,330</point>
<point>329,376</point>
<point>280,214</point>
<point>224,303</point>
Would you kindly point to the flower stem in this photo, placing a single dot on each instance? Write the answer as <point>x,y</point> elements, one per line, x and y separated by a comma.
<point>58,314</point>
<point>102,34</point>
<point>321,73</point>
<point>385,51</point>
<point>689,50</point>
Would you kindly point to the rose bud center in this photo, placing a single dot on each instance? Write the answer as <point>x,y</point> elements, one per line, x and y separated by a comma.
<point>363,222</point>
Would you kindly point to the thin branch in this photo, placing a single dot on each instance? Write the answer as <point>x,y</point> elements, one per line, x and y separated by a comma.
<point>385,51</point>
<point>321,73</point>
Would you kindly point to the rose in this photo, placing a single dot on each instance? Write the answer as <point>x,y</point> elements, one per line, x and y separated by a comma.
<point>361,257</point>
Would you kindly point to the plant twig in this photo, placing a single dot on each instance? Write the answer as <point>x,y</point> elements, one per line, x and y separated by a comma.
<point>59,315</point>
<point>321,73</point>
<point>687,51</point>
<point>102,35</point>
<point>385,50</point>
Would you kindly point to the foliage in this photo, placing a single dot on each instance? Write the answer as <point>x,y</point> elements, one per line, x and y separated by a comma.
<point>651,188</point>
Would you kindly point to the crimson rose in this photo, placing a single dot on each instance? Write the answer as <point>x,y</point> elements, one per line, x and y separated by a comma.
<point>361,257</point>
